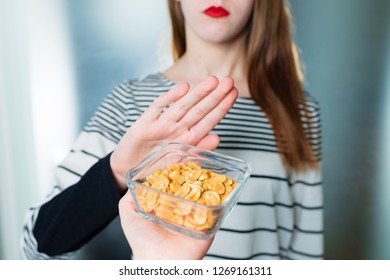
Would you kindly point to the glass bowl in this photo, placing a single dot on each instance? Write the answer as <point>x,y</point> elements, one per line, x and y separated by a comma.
<point>174,212</point>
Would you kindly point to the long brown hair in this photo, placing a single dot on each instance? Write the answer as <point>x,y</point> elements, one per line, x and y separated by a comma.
<point>273,74</point>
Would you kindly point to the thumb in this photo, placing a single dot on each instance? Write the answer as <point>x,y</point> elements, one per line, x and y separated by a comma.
<point>126,206</point>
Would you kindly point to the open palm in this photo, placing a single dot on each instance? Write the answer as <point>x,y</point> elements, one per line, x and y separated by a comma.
<point>181,115</point>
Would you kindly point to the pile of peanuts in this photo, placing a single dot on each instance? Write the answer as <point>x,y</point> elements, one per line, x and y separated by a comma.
<point>190,182</point>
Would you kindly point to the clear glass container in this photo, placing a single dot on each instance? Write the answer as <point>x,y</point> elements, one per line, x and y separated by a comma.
<point>174,212</point>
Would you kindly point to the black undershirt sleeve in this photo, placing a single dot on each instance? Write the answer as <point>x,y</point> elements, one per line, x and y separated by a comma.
<point>73,217</point>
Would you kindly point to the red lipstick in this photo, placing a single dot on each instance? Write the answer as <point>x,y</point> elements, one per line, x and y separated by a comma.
<point>216,12</point>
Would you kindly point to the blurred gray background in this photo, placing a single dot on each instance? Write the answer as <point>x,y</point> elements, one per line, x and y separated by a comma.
<point>345,47</point>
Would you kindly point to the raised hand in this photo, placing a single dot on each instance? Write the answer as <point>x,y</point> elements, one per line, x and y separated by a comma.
<point>182,115</point>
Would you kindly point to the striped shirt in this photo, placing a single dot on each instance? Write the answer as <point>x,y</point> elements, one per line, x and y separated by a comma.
<point>279,215</point>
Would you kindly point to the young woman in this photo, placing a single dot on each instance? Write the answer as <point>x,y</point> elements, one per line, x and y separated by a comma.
<point>235,86</point>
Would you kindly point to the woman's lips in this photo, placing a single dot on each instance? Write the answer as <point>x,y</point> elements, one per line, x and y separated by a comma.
<point>216,12</point>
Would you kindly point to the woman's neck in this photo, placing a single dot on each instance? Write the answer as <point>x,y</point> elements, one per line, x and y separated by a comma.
<point>203,59</point>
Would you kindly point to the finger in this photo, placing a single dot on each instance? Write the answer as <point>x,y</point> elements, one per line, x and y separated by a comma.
<point>204,126</point>
<point>129,217</point>
<point>126,205</point>
<point>159,104</point>
<point>209,142</point>
<point>182,106</point>
<point>206,105</point>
